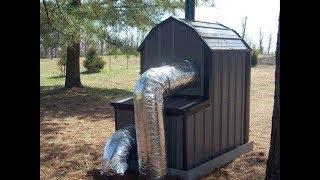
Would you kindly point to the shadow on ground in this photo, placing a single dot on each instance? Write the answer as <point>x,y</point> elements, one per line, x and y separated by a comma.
<point>57,77</point>
<point>95,174</point>
<point>248,166</point>
<point>63,76</point>
<point>85,103</point>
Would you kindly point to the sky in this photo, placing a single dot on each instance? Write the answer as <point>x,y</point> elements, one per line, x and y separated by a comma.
<point>260,13</point>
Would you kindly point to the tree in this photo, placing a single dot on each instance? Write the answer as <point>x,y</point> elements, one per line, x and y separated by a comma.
<point>73,56</point>
<point>62,62</point>
<point>112,50</point>
<point>101,36</point>
<point>254,57</point>
<point>101,46</point>
<point>93,63</point>
<point>128,47</point>
<point>244,26</point>
<point>269,43</point>
<point>73,66</point>
<point>67,22</point>
<point>273,163</point>
<point>260,41</point>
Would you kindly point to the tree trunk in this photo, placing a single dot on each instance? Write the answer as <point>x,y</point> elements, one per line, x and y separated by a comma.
<point>55,52</point>
<point>127,61</point>
<point>46,52</point>
<point>269,44</point>
<point>260,41</point>
<point>51,53</point>
<point>101,47</point>
<point>73,66</point>
<point>273,163</point>
<point>110,62</point>
<point>85,49</point>
<point>244,26</point>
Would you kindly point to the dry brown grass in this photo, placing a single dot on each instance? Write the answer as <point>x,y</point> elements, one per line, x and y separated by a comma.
<point>75,124</point>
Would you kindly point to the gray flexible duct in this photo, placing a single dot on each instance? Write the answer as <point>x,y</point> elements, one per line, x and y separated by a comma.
<point>117,151</point>
<point>148,110</point>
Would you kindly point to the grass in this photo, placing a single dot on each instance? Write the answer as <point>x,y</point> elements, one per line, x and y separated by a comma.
<point>113,77</point>
<point>75,124</point>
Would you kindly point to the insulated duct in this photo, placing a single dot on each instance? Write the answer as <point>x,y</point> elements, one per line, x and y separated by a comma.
<point>117,151</point>
<point>148,110</point>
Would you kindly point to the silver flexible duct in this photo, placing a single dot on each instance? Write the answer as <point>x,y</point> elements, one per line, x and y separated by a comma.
<point>148,111</point>
<point>117,150</point>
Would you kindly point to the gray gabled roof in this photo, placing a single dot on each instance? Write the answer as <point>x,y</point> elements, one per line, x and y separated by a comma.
<point>215,35</point>
<point>218,36</point>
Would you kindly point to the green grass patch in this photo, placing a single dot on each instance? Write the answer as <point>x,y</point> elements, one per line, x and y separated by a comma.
<point>117,76</point>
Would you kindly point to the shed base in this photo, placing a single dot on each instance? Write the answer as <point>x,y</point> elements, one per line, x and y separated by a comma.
<point>209,166</point>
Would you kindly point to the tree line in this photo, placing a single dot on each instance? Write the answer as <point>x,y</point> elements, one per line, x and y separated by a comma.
<point>128,46</point>
<point>260,48</point>
<point>65,24</point>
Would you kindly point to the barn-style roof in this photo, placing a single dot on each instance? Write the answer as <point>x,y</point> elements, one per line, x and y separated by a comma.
<point>215,35</point>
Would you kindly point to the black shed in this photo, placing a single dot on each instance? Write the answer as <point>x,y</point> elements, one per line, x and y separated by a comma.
<point>207,123</point>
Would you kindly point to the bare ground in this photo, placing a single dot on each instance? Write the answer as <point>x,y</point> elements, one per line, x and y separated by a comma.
<point>75,124</point>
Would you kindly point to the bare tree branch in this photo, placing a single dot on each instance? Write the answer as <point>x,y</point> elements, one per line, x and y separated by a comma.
<point>244,26</point>
<point>47,14</point>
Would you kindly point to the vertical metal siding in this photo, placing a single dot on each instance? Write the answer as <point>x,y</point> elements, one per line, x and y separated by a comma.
<point>238,96</point>
<point>123,118</point>
<point>169,140</point>
<point>216,107</point>
<point>142,59</point>
<point>200,138</point>
<point>224,102</point>
<point>166,47</point>
<point>192,51</point>
<point>208,68</point>
<point>243,92</point>
<point>198,134</point>
<point>231,108</point>
<point>247,96</point>
<point>190,141</point>
<point>229,99</point>
<point>179,46</point>
<point>180,138</point>
<point>174,141</point>
<point>208,133</point>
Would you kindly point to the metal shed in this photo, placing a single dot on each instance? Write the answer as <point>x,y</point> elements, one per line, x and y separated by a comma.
<point>207,123</point>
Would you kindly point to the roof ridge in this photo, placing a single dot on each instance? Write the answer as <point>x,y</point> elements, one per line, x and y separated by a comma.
<point>200,21</point>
